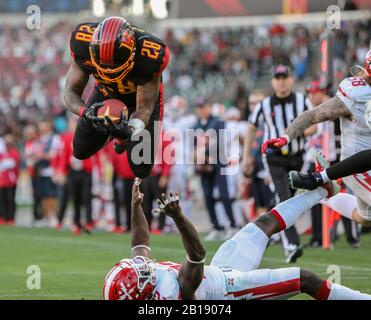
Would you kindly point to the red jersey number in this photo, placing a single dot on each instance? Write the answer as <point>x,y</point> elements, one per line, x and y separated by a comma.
<point>358,82</point>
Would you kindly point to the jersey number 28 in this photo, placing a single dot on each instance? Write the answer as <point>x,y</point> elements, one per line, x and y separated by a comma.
<point>150,49</point>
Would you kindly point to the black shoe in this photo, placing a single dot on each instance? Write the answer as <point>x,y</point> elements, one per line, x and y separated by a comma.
<point>307,181</point>
<point>294,255</point>
<point>355,244</point>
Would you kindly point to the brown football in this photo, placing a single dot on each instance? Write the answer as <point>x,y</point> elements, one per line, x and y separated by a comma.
<point>113,109</point>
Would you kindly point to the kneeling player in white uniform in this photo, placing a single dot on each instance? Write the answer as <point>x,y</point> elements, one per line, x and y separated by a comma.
<point>232,273</point>
<point>351,104</point>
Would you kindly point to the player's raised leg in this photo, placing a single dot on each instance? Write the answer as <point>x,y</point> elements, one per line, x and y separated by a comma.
<point>245,250</point>
<point>358,163</point>
<point>350,206</point>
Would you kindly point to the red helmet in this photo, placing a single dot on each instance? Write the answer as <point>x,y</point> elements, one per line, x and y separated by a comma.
<point>131,279</point>
<point>112,48</point>
<point>368,63</point>
<point>359,71</point>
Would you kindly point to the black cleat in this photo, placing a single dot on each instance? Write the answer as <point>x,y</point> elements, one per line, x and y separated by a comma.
<point>307,181</point>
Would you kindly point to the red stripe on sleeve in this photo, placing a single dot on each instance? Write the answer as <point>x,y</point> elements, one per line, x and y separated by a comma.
<point>342,92</point>
<point>281,222</point>
<point>270,290</point>
<point>324,291</point>
<point>165,62</point>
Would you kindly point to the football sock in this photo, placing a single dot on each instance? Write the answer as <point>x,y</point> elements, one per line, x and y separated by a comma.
<point>324,176</point>
<point>358,163</point>
<point>289,211</point>
<point>334,291</point>
<point>343,203</point>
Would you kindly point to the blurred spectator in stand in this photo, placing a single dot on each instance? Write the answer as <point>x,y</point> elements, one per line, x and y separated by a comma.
<point>207,145</point>
<point>42,155</point>
<point>122,184</point>
<point>178,120</point>
<point>30,135</point>
<point>78,173</point>
<point>262,194</point>
<point>60,178</point>
<point>234,143</point>
<point>9,170</point>
<point>242,102</point>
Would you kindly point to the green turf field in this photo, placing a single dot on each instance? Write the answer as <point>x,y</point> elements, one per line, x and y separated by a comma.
<point>74,267</point>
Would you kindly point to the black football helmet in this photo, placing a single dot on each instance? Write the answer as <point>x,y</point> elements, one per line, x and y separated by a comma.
<point>112,49</point>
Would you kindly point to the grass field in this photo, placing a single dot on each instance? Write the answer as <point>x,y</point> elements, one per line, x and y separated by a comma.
<point>74,267</point>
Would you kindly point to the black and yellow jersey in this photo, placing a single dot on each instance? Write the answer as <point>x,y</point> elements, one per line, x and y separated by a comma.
<point>151,58</point>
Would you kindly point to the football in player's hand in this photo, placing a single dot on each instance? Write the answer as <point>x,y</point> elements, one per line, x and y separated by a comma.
<point>113,108</point>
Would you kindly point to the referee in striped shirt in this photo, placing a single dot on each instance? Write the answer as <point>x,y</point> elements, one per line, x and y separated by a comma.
<point>277,112</point>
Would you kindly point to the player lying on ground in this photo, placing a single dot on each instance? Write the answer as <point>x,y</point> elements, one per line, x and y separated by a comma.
<point>232,273</point>
<point>351,105</point>
<point>127,64</point>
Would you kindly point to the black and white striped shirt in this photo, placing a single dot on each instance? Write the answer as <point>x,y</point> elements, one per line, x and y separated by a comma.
<point>277,114</point>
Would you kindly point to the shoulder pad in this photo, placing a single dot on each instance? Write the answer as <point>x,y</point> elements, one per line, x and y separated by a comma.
<point>80,40</point>
<point>355,89</point>
<point>151,57</point>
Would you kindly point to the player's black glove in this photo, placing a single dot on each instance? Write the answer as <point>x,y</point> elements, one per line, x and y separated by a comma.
<point>120,130</point>
<point>90,115</point>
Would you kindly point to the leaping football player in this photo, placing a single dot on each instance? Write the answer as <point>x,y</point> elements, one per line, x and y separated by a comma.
<point>352,105</point>
<point>232,273</point>
<point>127,64</point>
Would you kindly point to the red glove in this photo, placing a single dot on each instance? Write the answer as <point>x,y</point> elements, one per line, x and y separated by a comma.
<point>275,143</point>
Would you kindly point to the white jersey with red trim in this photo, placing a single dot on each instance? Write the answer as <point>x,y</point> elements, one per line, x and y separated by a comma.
<point>354,92</point>
<point>212,286</point>
<point>224,283</point>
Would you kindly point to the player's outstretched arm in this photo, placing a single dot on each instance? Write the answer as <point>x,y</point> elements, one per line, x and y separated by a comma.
<point>76,81</point>
<point>139,224</point>
<point>147,95</point>
<point>191,273</point>
<point>329,110</point>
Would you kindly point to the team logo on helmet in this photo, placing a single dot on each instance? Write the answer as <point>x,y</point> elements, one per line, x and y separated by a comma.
<point>131,279</point>
<point>112,49</point>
